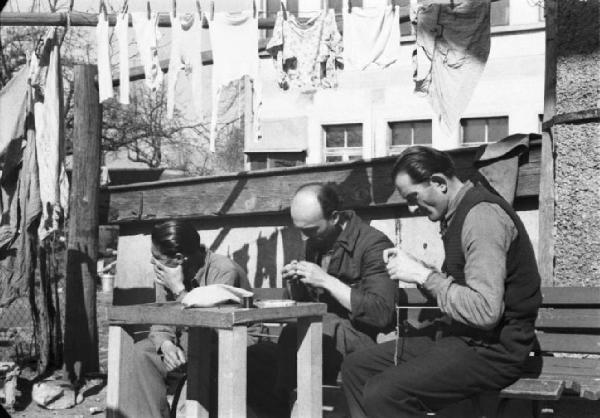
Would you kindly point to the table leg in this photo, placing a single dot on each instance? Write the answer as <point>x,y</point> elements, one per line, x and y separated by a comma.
<point>197,404</point>
<point>120,398</point>
<point>232,372</point>
<point>310,364</point>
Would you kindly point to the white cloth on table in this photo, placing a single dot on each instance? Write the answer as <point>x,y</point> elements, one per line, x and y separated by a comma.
<point>371,37</point>
<point>122,32</point>
<point>147,36</point>
<point>234,39</point>
<point>451,51</point>
<point>213,295</point>
<point>186,58</point>
<point>105,88</point>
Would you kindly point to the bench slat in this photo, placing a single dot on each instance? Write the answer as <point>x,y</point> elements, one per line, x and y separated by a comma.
<point>569,343</point>
<point>534,389</point>
<point>568,318</point>
<point>558,296</point>
<point>563,366</point>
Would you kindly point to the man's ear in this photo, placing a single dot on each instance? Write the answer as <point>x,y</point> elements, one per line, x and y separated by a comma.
<point>180,258</point>
<point>440,181</point>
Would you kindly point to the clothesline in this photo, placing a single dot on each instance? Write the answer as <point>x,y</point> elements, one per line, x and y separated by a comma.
<point>91,19</point>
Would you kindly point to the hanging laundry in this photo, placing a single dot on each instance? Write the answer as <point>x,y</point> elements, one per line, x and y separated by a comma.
<point>147,36</point>
<point>105,88</point>
<point>122,32</point>
<point>306,53</point>
<point>186,59</point>
<point>451,50</point>
<point>371,37</point>
<point>234,39</point>
<point>49,117</point>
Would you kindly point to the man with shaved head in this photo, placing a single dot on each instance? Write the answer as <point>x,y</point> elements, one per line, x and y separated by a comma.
<point>343,268</point>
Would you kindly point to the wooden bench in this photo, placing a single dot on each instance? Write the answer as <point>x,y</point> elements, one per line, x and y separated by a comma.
<point>566,360</point>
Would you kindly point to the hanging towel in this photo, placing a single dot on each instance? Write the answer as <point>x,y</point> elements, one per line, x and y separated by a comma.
<point>306,54</point>
<point>234,39</point>
<point>186,59</point>
<point>49,142</point>
<point>147,36</point>
<point>105,88</point>
<point>122,32</point>
<point>451,50</point>
<point>371,37</point>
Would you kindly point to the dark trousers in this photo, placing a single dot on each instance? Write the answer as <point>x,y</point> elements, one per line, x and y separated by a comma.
<point>430,375</point>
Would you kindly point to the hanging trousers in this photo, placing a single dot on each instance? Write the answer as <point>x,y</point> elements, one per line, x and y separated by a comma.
<point>430,375</point>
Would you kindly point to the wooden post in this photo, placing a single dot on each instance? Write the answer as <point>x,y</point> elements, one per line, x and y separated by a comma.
<point>546,196</point>
<point>81,331</point>
<point>309,402</point>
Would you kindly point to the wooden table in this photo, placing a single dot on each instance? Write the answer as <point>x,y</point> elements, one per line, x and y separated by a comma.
<point>231,323</point>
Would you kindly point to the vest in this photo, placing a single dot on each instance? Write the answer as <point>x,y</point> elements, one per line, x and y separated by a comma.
<point>522,295</point>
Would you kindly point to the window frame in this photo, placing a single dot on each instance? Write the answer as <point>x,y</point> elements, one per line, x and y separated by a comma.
<point>344,152</point>
<point>396,149</point>
<point>486,139</point>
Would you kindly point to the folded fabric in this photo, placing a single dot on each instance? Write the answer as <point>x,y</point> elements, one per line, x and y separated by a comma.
<point>213,295</point>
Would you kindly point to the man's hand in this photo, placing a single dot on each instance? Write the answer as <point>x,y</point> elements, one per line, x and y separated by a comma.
<point>313,275</point>
<point>404,267</point>
<point>290,270</point>
<point>169,277</point>
<point>173,356</point>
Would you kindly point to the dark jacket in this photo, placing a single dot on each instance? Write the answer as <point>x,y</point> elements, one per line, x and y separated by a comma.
<point>357,260</point>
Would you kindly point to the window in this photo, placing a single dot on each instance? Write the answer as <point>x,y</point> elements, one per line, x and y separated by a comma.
<point>264,160</point>
<point>269,9</point>
<point>343,142</point>
<point>481,130</point>
<point>499,13</point>
<point>405,134</point>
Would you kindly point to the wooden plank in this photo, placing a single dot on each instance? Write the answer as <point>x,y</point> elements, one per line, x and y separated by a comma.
<point>568,318</point>
<point>582,116</point>
<point>546,197</point>
<point>120,392</point>
<point>225,316</point>
<point>81,354</point>
<point>309,368</point>
<point>232,372</point>
<point>569,368</point>
<point>362,184</point>
<point>197,404</point>
<point>91,19</point>
<point>571,296</point>
<point>569,343</point>
<point>535,389</point>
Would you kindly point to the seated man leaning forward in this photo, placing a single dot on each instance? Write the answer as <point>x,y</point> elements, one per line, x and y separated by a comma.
<point>345,270</point>
<point>488,293</point>
<point>180,264</point>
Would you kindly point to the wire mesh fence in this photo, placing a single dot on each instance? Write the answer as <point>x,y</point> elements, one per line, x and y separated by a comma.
<point>17,339</point>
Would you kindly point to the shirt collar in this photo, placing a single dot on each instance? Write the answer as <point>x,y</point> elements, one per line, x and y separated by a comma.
<point>349,235</point>
<point>453,205</point>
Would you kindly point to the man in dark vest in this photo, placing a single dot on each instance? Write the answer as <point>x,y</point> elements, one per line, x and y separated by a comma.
<point>488,293</point>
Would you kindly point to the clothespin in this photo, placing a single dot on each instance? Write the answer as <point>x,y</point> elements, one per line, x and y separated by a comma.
<point>102,9</point>
<point>149,10</point>
<point>212,10</point>
<point>254,8</point>
<point>174,8</point>
<point>349,6</point>
<point>283,10</point>
<point>199,8</point>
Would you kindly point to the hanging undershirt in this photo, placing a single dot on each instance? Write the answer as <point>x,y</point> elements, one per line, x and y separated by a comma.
<point>105,88</point>
<point>451,50</point>
<point>147,36</point>
<point>306,53</point>
<point>122,32</point>
<point>186,59</point>
<point>371,37</point>
<point>234,39</point>
<point>49,141</point>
